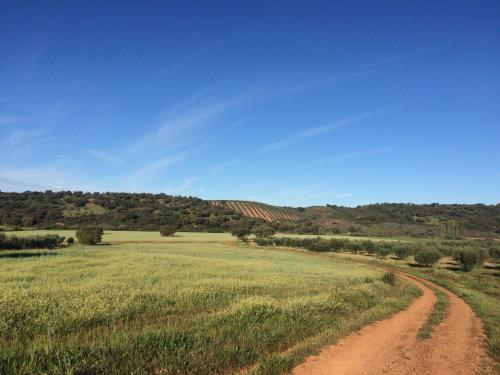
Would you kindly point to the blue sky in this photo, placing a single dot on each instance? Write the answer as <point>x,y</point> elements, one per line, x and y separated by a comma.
<point>292,103</point>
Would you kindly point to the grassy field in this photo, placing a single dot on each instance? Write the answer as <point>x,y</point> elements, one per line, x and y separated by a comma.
<point>135,236</point>
<point>196,303</point>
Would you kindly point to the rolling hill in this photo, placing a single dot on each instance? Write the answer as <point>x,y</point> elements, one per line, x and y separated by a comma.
<point>143,211</point>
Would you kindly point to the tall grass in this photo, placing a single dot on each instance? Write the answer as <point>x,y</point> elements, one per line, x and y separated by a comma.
<point>196,308</point>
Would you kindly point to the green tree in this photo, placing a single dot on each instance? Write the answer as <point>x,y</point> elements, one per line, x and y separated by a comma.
<point>401,251</point>
<point>427,257</point>
<point>168,230</point>
<point>382,251</point>
<point>450,230</point>
<point>469,258</point>
<point>264,231</point>
<point>242,232</point>
<point>89,234</point>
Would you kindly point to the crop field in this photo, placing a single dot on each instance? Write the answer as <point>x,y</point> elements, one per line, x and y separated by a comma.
<point>136,236</point>
<point>260,210</point>
<point>195,303</point>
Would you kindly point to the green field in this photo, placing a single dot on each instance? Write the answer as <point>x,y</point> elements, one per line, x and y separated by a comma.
<point>136,236</point>
<point>195,303</point>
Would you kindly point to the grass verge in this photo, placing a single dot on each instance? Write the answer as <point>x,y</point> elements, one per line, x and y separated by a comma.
<point>437,316</point>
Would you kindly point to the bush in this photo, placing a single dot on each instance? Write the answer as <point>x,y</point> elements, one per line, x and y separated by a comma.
<point>89,234</point>
<point>70,240</point>
<point>168,230</point>
<point>469,257</point>
<point>427,257</point>
<point>264,231</point>
<point>401,251</point>
<point>263,241</point>
<point>242,232</point>
<point>37,242</point>
<point>389,278</point>
<point>382,251</point>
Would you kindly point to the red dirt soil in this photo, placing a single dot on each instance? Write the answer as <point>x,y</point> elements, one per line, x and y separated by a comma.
<point>456,347</point>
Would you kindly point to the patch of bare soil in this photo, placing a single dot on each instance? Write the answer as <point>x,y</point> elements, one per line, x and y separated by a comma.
<point>457,345</point>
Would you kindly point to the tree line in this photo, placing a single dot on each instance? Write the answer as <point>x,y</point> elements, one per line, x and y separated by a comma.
<point>35,242</point>
<point>467,253</point>
<point>114,211</point>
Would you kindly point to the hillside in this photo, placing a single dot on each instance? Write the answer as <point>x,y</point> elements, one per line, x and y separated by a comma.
<point>123,211</point>
<point>134,211</point>
<point>385,219</point>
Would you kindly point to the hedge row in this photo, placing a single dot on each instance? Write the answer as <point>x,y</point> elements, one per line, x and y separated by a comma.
<point>37,242</point>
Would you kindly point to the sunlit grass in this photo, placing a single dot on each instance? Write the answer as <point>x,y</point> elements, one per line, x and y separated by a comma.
<point>137,236</point>
<point>187,307</point>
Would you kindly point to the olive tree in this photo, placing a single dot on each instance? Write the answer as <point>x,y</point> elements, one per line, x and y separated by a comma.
<point>89,234</point>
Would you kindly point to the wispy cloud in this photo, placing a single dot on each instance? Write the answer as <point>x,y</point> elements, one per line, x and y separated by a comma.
<point>14,119</point>
<point>315,131</point>
<point>28,137</point>
<point>184,186</point>
<point>105,156</point>
<point>301,195</point>
<point>183,128</point>
<point>344,195</point>
<point>369,68</point>
<point>221,166</point>
<point>347,156</point>
<point>158,166</point>
<point>40,178</point>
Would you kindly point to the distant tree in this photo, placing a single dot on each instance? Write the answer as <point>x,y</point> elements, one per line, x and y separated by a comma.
<point>401,251</point>
<point>264,231</point>
<point>427,257</point>
<point>89,234</point>
<point>382,251</point>
<point>242,232</point>
<point>70,240</point>
<point>469,257</point>
<point>168,230</point>
<point>450,230</point>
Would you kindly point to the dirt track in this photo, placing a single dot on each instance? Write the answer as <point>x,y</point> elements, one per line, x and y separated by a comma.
<point>457,345</point>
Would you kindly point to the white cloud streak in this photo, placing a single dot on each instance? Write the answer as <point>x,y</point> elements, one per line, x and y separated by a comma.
<point>158,166</point>
<point>13,119</point>
<point>315,131</point>
<point>347,156</point>
<point>345,195</point>
<point>105,156</point>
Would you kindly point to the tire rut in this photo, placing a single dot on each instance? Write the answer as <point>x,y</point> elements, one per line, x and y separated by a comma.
<point>390,346</point>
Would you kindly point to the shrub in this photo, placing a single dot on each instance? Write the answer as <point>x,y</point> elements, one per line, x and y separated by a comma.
<point>383,251</point>
<point>401,251</point>
<point>89,234</point>
<point>427,257</point>
<point>168,230</point>
<point>263,241</point>
<point>389,278</point>
<point>264,231</point>
<point>369,246</point>
<point>469,257</point>
<point>70,240</point>
<point>242,232</point>
<point>37,242</point>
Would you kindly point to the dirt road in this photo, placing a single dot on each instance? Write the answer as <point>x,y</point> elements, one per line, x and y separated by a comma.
<point>457,345</point>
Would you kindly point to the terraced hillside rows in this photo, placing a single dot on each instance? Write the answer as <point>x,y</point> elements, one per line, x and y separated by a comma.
<point>261,210</point>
